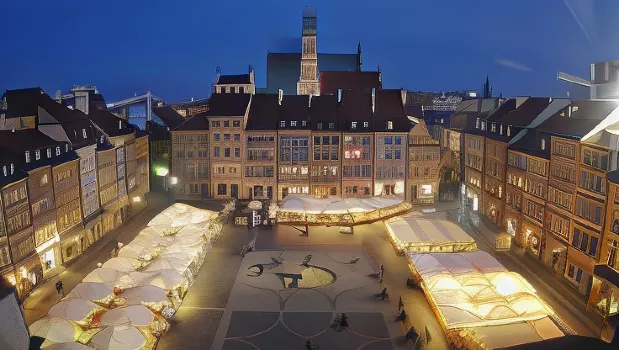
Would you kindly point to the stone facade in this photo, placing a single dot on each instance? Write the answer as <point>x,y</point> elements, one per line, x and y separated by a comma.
<point>226,135</point>
<point>43,204</point>
<point>423,166</point>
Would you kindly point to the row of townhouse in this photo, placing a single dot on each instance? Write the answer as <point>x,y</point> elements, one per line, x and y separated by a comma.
<point>351,144</point>
<point>65,181</point>
<point>545,171</point>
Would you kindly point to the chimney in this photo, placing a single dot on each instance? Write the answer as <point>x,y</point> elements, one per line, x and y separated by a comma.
<point>403,94</point>
<point>339,95</point>
<point>373,99</point>
<point>310,101</point>
<point>280,96</point>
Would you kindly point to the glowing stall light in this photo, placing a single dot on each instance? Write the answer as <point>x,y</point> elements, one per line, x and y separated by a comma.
<point>399,187</point>
<point>173,180</point>
<point>161,171</point>
<point>137,199</point>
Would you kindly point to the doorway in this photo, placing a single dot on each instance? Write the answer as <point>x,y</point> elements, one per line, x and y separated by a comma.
<point>234,190</point>
<point>204,191</point>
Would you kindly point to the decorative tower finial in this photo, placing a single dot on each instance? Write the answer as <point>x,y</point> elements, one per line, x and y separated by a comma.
<point>359,62</point>
<point>487,88</point>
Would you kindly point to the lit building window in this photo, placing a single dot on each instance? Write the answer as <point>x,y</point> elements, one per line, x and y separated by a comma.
<point>27,159</point>
<point>37,154</point>
<point>366,124</point>
<point>390,125</point>
<point>57,150</point>
<point>319,126</point>
<point>49,153</point>
<point>353,125</point>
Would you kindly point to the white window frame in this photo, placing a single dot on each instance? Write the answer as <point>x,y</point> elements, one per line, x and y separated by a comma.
<point>84,133</point>
<point>57,150</point>
<point>49,153</point>
<point>27,160</point>
<point>37,154</point>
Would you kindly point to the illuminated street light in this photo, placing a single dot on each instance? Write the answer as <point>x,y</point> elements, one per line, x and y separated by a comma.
<point>173,180</point>
<point>137,199</point>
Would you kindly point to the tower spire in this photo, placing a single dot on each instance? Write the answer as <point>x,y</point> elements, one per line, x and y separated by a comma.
<point>359,62</point>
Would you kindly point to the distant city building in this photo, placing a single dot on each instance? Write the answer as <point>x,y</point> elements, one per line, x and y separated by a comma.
<point>286,70</point>
<point>190,108</point>
<point>137,110</point>
<point>235,84</point>
<point>603,82</point>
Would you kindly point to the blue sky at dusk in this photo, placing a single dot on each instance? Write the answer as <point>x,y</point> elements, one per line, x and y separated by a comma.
<point>172,47</point>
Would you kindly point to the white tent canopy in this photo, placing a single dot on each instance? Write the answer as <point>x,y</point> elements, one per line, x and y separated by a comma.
<point>335,205</point>
<point>122,264</point>
<point>93,291</point>
<point>122,337</point>
<point>74,309</point>
<point>135,315</point>
<point>55,329</point>
<point>416,234</point>
<point>519,333</point>
<point>67,346</point>
<point>103,275</point>
<point>144,294</point>
<point>472,289</point>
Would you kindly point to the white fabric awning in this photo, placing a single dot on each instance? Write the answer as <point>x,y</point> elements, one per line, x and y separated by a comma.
<point>419,234</point>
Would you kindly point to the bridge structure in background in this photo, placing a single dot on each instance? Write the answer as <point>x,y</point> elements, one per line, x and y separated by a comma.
<point>137,110</point>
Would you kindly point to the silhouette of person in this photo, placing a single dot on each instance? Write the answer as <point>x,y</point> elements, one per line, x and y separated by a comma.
<point>344,321</point>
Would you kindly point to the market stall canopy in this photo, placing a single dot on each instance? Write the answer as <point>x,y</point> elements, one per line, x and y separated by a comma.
<point>122,337</point>
<point>93,291</point>
<point>122,264</point>
<point>77,310</point>
<point>145,294</point>
<point>473,289</point>
<point>135,315</point>
<point>301,210</point>
<point>180,214</point>
<point>68,346</point>
<point>416,234</point>
<point>103,275</point>
<point>55,329</point>
<point>494,337</point>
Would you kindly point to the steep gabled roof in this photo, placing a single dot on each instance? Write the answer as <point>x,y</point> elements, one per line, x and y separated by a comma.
<point>197,122</point>
<point>295,108</point>
<point>356,107</point>
<point>22,102</point>
<point>263,112</point>
<point>579,118</point>
<point>529,143</point>
<point>235,79</point>
<point>389,108</point>
<point>526,112</point>
<point>228,105</point>
<point>324,110</point>
<point>169,116</point>
<point>110,123</point>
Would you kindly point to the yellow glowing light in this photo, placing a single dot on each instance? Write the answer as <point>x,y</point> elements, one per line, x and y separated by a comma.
<point>505,285</point>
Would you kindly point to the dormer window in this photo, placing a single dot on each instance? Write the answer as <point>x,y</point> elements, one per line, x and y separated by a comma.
<point>366,124</point>
<point>12,168</point>
<point>57,150</point>
<point>543,144</point>
<point>493,129</point>
<point>120,124</point>
<point>37,154</point>
<point>4,170</point>
<point>102,139</point>
<point>509,131</point>
<point>331,126</point>
<point>27,158</point>
<point>477,123</point>
<point>389,125</point>
<point>442,121</point>
<point>483,125</point>
<point>319,126</point>
<point>293,123</point>
<point>353,125</point>
<point>84,133</point>
<point>501,129</point>
<point>282,124</point>
<point>304,123</point>
<point>66,147</point>
<point>49,153</point>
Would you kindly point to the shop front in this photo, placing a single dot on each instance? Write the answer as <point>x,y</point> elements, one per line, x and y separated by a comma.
<point>49,254</point>
<point>531,236</point>
<point>492,208</point>
<point>579,270</point>
<point>554,254</point>
<point>604,299</point>
<point>511,222</point>
<point>93,230</point>
<point>115,213</point>
<point>28,274</point>
<point>72,243</point>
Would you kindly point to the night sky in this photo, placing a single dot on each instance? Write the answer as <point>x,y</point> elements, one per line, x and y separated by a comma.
<point>172,47</point>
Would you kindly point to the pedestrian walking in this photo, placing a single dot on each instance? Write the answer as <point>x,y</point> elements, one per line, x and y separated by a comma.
<point>400,304</point>
<point>412,334</point>
<point>59,288</point>
<point>383,294</point>
<point>382,273</point>
<point>344,321</point>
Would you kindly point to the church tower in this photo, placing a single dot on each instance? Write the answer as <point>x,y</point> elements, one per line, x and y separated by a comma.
<point>308,78</point>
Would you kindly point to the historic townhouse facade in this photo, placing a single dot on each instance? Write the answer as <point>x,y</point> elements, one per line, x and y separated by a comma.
<point>356,120</point>
<point>227,117</point>
<point>235,84</point>
<point>190,159</point>
<point>108,186</point>
<point>391,130</point>
<point>142,177</point>
<point>582,153</point>
<point>294,145</point>
<point>43,206</point>
<point>66,180</point>
<point>423,161</point>
<point>260,144</point>
<point>326,168</point>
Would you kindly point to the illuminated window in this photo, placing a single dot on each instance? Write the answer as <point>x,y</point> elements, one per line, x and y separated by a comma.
<point>293,123</point>
<point>27,158</point>
<point>543,144</point>
<point>389,125</point>
<point>282,124</point>
<point>37,154</point>
<point>366,124</point>
<point>353,125</point>
<point>57,150</point>
<point>319,126</point>
<point>426,189</point>
<point>49,153</point>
